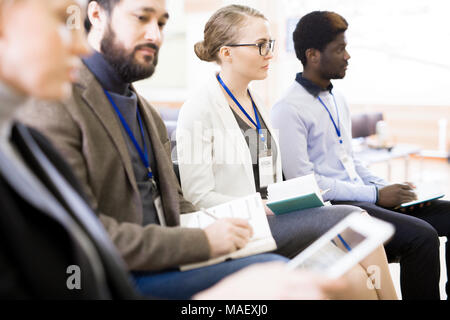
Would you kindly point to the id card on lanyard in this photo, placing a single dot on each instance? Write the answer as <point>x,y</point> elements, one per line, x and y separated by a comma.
<point>143,154</point>
<point>265,163</point>
<point>347,162</point>
<point>265,158</point>
<point>344,157</point>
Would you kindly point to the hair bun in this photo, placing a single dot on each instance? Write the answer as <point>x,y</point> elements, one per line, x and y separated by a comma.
<point>223,27</point>
<point>201,52</point>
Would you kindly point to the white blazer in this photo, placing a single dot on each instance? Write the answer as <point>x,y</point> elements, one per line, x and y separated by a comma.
<point>214,159</point>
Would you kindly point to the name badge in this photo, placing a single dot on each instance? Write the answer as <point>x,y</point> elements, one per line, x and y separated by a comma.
<point>348,163</point>
<point>160,210</point>
<point>266,174</point>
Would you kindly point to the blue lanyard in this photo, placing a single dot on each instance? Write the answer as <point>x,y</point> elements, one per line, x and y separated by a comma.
<point>344,243</point>
<point>142,154</point>
<point>338,126</point>
<point>257,124</point>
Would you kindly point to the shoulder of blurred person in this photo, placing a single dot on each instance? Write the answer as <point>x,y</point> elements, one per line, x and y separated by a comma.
<point>27,210</point>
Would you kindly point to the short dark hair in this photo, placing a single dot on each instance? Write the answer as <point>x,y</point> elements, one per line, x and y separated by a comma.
<point>108,5</point>
<point>315,30</point>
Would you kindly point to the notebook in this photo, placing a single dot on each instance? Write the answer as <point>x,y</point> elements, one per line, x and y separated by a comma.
<point>295,194</point>
<point>250,208</point>
<point>425,192</point>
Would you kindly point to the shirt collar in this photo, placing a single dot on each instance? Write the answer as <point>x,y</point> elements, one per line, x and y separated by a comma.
<point>311,87</point>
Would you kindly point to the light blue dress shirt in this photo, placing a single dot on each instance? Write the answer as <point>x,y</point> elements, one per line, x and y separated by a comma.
<point>309,143</point>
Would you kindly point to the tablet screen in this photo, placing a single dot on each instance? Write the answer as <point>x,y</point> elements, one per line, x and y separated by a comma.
<point>350,238</point>
<point>332,251</point>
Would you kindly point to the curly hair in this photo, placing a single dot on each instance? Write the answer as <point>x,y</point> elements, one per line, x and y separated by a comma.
<point>108,5</point>
<point>316,30</point>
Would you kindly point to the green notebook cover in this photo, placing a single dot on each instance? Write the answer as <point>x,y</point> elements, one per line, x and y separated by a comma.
<point>294,204</point>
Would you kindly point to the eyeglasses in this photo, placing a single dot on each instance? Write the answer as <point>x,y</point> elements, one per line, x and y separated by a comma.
<point>264,47</point>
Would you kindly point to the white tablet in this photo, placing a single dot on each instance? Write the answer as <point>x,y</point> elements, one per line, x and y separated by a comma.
<point>344,245</point>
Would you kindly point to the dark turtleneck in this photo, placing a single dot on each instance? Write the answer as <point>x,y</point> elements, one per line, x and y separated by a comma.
<point>106,75</point>
<point>127,103</point>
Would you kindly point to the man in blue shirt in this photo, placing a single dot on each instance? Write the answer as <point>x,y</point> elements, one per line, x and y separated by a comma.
<point>314,124</point>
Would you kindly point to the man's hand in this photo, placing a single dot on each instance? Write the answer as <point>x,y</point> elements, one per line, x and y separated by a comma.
<point>228,235</point>
<point>272,281</point>
<point>395,194</point>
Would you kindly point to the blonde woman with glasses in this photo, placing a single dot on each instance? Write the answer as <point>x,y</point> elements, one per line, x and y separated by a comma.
<point>228,149</point>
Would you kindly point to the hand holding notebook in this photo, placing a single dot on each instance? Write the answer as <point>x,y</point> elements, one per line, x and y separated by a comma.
<point>425,192</point>
<point>294,194</point>
<point>250,208</point>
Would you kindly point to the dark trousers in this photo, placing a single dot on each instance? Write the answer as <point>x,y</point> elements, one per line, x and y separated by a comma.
<point>416,245</point>
<point>295,231</point>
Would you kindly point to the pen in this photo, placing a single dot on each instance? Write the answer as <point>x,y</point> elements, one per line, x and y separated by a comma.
<point>325,191</point>
<point>209,214</point>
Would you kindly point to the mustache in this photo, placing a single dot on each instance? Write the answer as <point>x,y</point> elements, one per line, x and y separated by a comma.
<point>147,45</point>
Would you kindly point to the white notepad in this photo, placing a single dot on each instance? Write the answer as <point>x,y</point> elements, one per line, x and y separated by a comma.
<point>250,208</point>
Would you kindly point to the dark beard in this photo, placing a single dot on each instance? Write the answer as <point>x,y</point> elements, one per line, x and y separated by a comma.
<point>125,64</point>
<point>329,71</point>
<point>332,75</point>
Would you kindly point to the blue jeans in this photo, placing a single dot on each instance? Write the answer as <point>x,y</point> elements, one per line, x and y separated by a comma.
<point>175,284</point>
